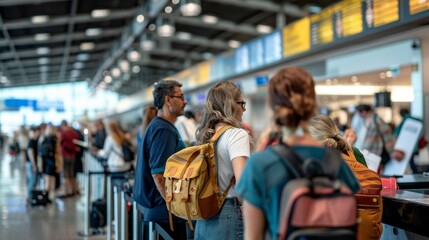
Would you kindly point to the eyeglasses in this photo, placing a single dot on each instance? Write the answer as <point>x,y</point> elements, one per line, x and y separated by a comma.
<point>181,97</point>
<point>242,103</point>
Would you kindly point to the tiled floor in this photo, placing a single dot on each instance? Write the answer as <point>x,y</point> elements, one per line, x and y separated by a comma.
<point>62,219</point>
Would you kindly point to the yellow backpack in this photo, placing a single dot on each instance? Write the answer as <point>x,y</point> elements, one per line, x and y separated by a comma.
<point>369,199</point>
<point>191,187</point>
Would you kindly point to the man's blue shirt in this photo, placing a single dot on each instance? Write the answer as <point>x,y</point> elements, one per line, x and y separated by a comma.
<point>159,142</point>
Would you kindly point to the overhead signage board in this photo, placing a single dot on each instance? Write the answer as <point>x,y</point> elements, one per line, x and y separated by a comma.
<point>418,6</point>
<point>296,37</point>
<point>272,47</point>
<point>348,18</point>
<point>321,27</point>
<point>242,59</point>
<point>256,53</point>
<point>384,11</point>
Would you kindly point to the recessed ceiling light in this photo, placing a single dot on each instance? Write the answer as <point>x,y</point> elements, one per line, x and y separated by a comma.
<point>166,30</point>
<point>168,9</point>
<point>210,19</point>
<point>108,79</point>
<point>136,69</point>
<point>190,8</point>
<point>93,32</point>
<point>152,27</point>
<point>3,79</point>
<point>41,36</point>
<point>100,13</point>
<point>261,28</point>
<point>124,65</point>
<point>116,72</point>
<point>175,1</point>
<point>133,56</point>
<point>78,65</point>
<point>86,46</point>
<point>43,61</point>
<point>82,57</point>
<point>42,50</point>
<point>44,68</point>
<point>184,35</point>
<point>140,18</point>
<point>234,43</point>
<point>75,73</point>
<point>39,19</point>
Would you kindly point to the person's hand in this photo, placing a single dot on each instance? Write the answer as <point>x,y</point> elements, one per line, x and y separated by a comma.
<point>398,154</point>
<point>350,136</point>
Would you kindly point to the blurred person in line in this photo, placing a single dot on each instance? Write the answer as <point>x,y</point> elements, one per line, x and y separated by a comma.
<point>68,151</point>
<point>78,166</point>
<point>99,136</point>
<point>225,106</point>
<point>370,207</point>
<point>13,146</point>
<point>112,151</point>
<point>371,134</point>
<point>159,142</point>
<point>292,97</point>
<point>149,113</point>
<point>23,139</point>
<point>31,156</point>
<point>185,124</point>
<point>50,152</point>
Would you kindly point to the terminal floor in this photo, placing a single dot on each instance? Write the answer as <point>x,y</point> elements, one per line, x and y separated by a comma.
<point>62,219</point>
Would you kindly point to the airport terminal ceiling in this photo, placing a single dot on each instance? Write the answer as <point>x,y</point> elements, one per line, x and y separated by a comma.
<point>56,41</point>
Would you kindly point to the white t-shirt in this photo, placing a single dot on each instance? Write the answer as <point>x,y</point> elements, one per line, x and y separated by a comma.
<point>186,128</point>
<point>113,152</point>
<point>233,143</point>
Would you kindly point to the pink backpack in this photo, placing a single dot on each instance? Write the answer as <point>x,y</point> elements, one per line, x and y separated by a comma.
<point>315,205</point>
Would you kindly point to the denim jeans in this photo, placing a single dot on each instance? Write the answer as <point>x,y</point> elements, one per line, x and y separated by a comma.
<point>228,224</point>
<point>31,178</point>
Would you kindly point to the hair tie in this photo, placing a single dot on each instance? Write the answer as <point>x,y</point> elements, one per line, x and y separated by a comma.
<point>336,137</point>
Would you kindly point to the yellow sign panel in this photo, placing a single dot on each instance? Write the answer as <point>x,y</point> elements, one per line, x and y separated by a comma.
<point>351,12</point>
<point>385,12</point>
<point>296,37</point>
<point>203,72</point>
<point>321,29</point>
<point>417,6</point>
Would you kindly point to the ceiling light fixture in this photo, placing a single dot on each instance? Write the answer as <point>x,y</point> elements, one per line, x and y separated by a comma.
<point>152,27</point>
<point>43,61</point>
<point>136,69</point>
<point>184,35</point>
<point>116,72</point>
<point>190,8</point>
<point>100,13</point>
<point>75,73</point>
<point>86,46</point>
<point>41,36</point>
<point>140,18</point>
<point>234,43</point>
<point>261,28</point>
<point>39,19</point>
<point>42,50</point>
<point>93,32</point>
<point>3,79</point>
<point>44,68</point>
<point>78,65</point>
<point>133,56</point>
<point>82,57</point>
<point>146,43</point>
<point>168,9</point>
<point>175,1</point>
<point>108,79</point>
<point>165,27</point>
<point>124,65</point>
<point>210,19</point>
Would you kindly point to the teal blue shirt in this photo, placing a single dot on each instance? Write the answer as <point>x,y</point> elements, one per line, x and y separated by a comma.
<point>264,177</point>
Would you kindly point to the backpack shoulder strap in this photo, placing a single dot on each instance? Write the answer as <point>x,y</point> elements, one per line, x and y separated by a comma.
<point>217,135</point>
<point>290,158</point>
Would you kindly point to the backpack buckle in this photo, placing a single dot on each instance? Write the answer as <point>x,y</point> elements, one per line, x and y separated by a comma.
<point>178,186</point>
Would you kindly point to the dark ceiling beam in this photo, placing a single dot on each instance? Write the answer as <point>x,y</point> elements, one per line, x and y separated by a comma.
<point>200,41</point>
<point>53,51</point>
<point>4,3</point>
<point>64,20</point>
<point>52,61</point>
<point>69,40</point>
<point>12,48</point>
<point>222,25</point>
<point>54,68</point>
<point>285,8</point>
<point>63,37</point>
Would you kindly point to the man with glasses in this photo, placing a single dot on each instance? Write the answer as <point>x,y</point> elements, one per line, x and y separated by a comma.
<point>159,142</point>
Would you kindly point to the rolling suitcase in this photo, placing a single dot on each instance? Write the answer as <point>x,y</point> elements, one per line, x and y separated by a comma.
<point>39,197</point>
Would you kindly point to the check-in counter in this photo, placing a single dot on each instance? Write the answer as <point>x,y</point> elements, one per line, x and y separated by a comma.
<point>406,214</point>
<point>414,181</point>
